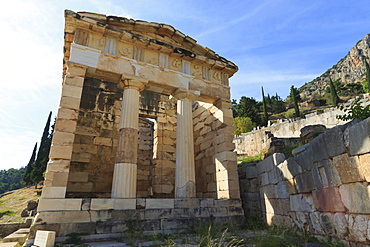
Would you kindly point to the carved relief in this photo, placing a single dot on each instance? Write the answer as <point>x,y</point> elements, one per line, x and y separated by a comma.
<point>216,76</point>
<point>125,52</point>
<point>176,63</point>
<point>197,73</point>
<point>153,61</point>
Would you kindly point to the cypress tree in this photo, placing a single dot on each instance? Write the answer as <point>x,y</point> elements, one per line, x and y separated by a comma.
<point>29,167</point>
<point>366,83</point>
<point>42,154</point>
<point>294,96</point>
<point>333,93</point>
<point>265,115</point>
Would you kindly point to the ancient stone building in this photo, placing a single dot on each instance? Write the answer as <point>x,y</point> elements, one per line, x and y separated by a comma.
<point>143,131</point>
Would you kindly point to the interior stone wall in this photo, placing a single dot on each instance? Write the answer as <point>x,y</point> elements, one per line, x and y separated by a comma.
<point>95,142</point>
<point>144,158</point>
<point>215,163</point>
<point>324,190</point>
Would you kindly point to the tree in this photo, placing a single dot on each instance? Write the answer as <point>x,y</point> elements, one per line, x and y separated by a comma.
<point>27,176</point>
<point>242,125</point>
<point>333,93</point>
<point>42,154</point>
<point>247,107</point>
<point>295,98</point>
<point>277,104</point>
<point>265,115</point>
<point>366,83</point>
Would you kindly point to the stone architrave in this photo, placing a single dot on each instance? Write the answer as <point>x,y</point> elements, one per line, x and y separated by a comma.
<point>185,168</point>
<point>125,169</point>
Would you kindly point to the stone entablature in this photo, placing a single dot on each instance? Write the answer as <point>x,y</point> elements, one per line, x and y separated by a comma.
<point>165,54</point>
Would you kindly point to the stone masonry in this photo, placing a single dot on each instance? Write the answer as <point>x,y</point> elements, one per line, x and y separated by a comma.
<point>323,191</point>
<point>143,131</point>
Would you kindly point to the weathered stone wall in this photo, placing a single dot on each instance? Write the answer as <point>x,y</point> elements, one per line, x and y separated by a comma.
<point>325,189</point>
<point>214,160</point>
<point>252,143</point>
<point>144,157</point>
<point>8,228</point>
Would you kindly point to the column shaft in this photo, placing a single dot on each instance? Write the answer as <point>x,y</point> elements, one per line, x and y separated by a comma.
<point>125,169</point>
<point>185,168</point>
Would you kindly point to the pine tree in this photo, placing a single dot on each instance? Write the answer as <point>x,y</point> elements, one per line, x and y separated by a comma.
<point>27,176</point>
<point>333,93</point>
<point>42,155</point>
<point>295,97</point>
<point>265,115</point>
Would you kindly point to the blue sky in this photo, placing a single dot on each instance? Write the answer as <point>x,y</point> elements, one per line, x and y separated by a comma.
<point>275,43</point>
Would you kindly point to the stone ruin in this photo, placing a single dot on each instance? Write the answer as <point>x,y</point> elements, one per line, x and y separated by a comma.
<point>143,131</point>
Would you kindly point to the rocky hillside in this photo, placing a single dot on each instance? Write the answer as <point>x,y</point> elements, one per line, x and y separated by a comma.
<point>349,69</point>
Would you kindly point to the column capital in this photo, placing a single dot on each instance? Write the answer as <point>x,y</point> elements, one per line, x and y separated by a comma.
<point>134,82</point>
<point>183,93</point>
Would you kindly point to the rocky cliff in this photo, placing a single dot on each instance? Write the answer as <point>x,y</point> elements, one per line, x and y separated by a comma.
<point>349,69</point>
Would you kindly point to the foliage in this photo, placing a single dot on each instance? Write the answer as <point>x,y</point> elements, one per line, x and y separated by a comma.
<point>295,98</point>
<point>333,93</point>
<point>7,212</point>
<point>27,176</point>
<point>242,125</point>
<point>355,110</point>
<point>277,104</point>
<point>245,159</point>
<point>264,105</point>
<point>37,166</point>
<point>247,107</point>
<point>11,179</point>
<point>366,83</point>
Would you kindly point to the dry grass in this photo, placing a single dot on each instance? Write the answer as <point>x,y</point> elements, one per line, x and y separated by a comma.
<point>15,202</point>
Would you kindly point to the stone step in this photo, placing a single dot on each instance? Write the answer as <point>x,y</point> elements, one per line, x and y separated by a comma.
<point>9,244</point>
<point>18,236</point>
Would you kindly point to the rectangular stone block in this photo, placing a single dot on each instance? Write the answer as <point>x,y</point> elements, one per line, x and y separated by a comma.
<point>44,238</point>
<point>65,125</point>
<point>71,91</point>
<point>56,179</point>
<point>58,166</point>
<point>355,197</point>
<point>328,200</point>
<point>123,204</point>
<point>62,138</point>
<point>159,203</point>
<point>334,141</point>
<point>186,203</point>
<point>357,138</point>
<point>73,81</point>
<point>301,203</point>
<point>53,192</point>
<point>60,152</point>
<point>69,102</point>
<point>78,177</point>
<point>59,204</point>
<point>64,217</point>
<point>304,182</point>
<point>159,213</point>
<point>347,168</point>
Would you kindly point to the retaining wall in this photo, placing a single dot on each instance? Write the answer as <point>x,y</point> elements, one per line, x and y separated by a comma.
<point>324,190</point>
<point>252,143</point>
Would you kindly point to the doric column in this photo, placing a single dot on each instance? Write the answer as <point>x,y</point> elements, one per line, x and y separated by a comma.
<point>185,169</point>
<point>125,169</point>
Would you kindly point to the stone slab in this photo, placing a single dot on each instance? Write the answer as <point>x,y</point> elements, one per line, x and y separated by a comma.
<point>53,192</point>
<point>328,200</point>
<point>159,203</point>
<point>358,138</point>
<point>59,204</point>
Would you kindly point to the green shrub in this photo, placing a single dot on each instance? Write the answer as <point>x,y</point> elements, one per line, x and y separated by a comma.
<point>355,110</point>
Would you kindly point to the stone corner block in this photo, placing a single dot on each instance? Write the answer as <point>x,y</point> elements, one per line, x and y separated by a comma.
<point>53,192</point>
